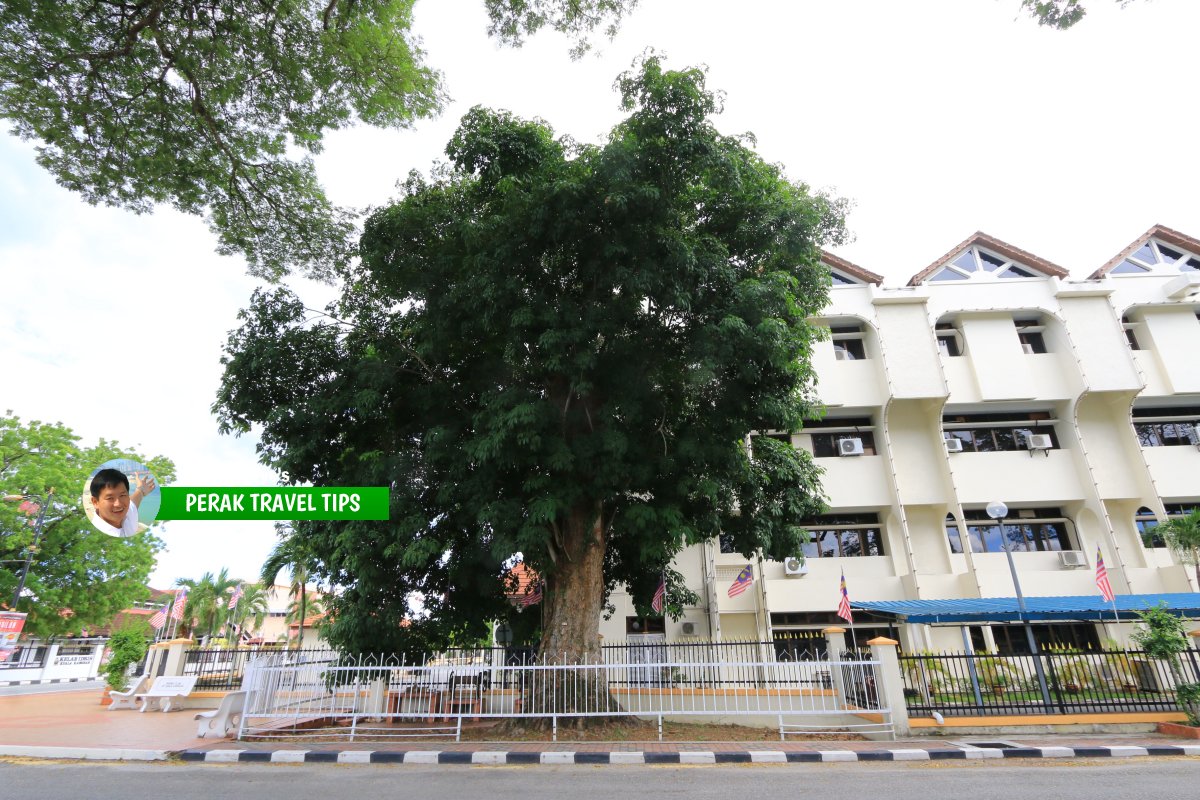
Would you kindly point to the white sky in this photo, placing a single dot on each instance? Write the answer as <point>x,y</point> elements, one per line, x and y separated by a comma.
<point>936,118</point>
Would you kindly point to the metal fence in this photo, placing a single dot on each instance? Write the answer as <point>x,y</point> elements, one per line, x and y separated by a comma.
<point>964,684</point>
<point>26,657</point>
<point>327,696</point>
<point>219,668</point>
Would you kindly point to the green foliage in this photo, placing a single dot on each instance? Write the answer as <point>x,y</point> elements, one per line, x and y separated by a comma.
<point>548,348</point>
<point>1188,695</point>
<point>1182,535</point>
<point>1164,638</point>
<point>214,107</point>
<point>74,568</point>
<point>207,608</point>
<point>1060,14</point>
<point>127,646</point>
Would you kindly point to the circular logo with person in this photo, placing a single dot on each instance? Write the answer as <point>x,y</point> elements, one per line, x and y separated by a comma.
<point>121,497</point>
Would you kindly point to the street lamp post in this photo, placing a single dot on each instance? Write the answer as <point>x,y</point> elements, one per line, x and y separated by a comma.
<point>997,511</point>
<point>37,537</point>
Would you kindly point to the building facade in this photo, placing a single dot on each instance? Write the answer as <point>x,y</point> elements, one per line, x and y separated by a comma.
<point>992,376</point>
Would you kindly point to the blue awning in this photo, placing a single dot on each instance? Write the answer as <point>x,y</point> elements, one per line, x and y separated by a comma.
<point>973,610</point>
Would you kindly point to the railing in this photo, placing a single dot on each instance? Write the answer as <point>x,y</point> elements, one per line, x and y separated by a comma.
<point>390,697</point>
<point>26,657</point>
<point>990,685</point>
<point>219,668</point>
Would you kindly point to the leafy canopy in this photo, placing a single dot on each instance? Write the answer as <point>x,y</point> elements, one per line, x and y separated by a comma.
<point>548,347</point>
<point>78,576</point>
<point>1060,14</point>
<point>215,106</point>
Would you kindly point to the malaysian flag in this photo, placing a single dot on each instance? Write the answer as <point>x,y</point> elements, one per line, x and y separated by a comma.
<point>534,597</point>
<point>843,610</point>
<point>180,602</point>
<point>659,595</point>
<point>1102,578</point>
<point>237,595</point>
<point>742,582</point>
<point>160,617</point>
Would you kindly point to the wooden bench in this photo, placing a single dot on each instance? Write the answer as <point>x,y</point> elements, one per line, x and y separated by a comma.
<point>128,698</point>
<point>225,718</point>
<point>165,692</point>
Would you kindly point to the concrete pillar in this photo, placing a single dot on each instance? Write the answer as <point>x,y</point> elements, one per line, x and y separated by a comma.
<point>890,684</point>
<point>835,645</point>
<point>97,657</point>
<point>176,650</point>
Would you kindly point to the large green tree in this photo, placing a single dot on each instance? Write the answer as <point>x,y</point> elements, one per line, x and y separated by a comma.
<point>556,350</point>
<point>213,106</point>
<point>78,576</point>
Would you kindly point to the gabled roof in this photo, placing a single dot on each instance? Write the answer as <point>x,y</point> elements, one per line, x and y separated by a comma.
<point>1001,248</point>
<point>1160,232</point>
<point>850,269</point>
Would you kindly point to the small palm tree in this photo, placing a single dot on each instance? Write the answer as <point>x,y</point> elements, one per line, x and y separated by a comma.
<point>252,607</point>
<point>207,601</point>
<point>290,554</point>
<point>1182,535</point>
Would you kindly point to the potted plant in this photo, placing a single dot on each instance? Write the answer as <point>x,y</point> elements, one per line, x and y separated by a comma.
<point>995,673</point>
<point>127,647</point>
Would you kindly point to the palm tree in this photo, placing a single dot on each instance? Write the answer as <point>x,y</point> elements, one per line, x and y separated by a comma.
<point>252,606</point>
<point>1182,535</point>
<point>290,553</point>
<point>300,609</point>
<point>207,599</point>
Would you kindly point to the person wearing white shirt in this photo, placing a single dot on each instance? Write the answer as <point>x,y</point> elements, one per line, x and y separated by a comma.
<point>117,509</point>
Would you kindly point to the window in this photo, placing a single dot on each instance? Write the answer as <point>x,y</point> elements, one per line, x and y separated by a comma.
<point>1012,641</point>
<point>949,340</point>
<point>1146,522</point>
<point>848,342</point>
<point>1029,331</point>
<point>990,433</point>
<point>976,262</point>
<point>1130,327</point>
<point>1152,255</point>
<point>1167,427</point>
<point>843,536</point>
<point>1025,530</point>
<point>827,433</point>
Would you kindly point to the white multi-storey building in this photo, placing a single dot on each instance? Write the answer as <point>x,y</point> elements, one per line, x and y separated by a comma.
<point>993,375</point>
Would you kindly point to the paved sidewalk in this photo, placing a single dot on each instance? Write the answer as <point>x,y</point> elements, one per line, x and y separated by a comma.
<point>74,725</point>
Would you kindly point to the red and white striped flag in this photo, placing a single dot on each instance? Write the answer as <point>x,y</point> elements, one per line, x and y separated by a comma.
<point>237,595</point>
<point>843,610</point>
<point>1102,578</point>
<point>160,617</point>
<point>743,581</point>
<point>180,602</point>
<point>659,595</point>
<point>534,597</point>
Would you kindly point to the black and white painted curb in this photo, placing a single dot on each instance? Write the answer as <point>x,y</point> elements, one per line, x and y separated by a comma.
<point>5,684</point>
<point>497,757</point>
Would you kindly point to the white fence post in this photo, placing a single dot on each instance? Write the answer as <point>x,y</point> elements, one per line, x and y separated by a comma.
<point>891,686</point>
<point>835,645</point>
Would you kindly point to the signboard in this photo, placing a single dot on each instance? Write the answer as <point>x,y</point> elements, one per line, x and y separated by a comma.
<point>11,625</point>
<point>66,661</point>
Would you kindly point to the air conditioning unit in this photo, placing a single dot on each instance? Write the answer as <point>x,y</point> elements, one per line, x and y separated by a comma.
<point>1196,434</point>
<point>1039,441</point>
<point>954,445</point>
<point>850,447</point>
<point>795,567</point>
<point>688,629</point>
<point>1073,558</point>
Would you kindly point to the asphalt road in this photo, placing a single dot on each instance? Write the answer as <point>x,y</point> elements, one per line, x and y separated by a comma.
<point>1044,780</point>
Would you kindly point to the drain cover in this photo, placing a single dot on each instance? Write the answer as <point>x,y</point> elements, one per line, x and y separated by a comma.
<point>993,745</point>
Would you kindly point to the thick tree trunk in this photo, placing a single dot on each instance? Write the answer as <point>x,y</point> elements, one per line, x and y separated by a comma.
<point>571,623</point>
